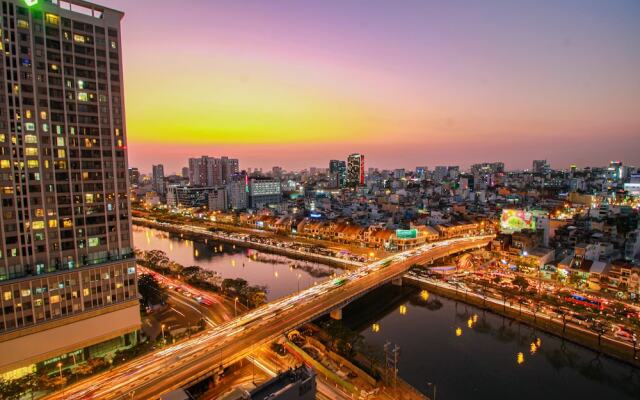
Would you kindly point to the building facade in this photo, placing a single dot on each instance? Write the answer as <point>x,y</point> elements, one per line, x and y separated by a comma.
<point>355,170</point>
<point>67,272</point>
<point>157,179</point>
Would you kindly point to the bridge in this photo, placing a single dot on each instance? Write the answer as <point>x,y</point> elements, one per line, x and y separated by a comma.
<point>210,352</point>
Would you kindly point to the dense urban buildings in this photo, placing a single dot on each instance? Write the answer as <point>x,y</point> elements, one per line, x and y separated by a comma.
<point>67,273</point>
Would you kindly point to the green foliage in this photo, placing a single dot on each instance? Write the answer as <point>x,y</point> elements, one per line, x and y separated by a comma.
<point>151,291</point>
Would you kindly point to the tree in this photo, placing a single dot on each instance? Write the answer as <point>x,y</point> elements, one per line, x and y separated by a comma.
<point>521,283</point>
<point>151,291</point>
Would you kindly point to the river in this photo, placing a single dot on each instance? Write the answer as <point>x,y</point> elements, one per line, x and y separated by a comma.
<point>281,275</point>
<point>471,354</point>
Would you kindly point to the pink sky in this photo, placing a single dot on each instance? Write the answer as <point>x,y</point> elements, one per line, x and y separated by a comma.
<point>295,84</point>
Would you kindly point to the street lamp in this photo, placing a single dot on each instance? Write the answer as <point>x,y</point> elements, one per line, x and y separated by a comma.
<point>162,328</point>
<point>235,306</point>
<point>59,365</point>
<point>433,386</point>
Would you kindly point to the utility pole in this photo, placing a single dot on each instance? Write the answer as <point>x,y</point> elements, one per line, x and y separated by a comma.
<point>392,357</point>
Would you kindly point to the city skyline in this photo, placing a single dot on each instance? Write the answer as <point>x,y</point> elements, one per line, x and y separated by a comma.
<point>451,84</point>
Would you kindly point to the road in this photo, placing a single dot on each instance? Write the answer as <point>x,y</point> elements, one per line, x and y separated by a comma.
<point>172,367</point>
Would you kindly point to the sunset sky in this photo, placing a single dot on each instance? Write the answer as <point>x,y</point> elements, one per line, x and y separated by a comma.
<point>411,82</point>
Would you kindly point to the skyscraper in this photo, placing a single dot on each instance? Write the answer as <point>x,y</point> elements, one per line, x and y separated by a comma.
<point>67,272</point>
<point>355,170</point>
<point>338,172</point>
<point>157,178</point>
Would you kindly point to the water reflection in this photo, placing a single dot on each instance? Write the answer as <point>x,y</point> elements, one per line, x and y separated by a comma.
<point>484,349</point>
<point>282,275</point>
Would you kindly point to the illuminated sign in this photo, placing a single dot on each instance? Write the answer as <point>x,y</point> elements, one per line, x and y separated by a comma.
<point>315,215</point>
<point>406,233</point>
<point>31,3</point>
<point>516,220</point>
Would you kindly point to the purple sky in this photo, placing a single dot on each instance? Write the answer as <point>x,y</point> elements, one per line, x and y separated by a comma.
<point>415,82</point>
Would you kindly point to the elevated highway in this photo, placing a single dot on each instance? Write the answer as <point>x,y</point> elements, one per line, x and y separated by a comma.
<point>177,365</point>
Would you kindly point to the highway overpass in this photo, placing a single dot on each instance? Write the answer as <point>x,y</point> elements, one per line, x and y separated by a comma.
<point>177,365</point>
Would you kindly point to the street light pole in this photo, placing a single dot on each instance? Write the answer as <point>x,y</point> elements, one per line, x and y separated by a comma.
<point>433,386</point>
<point>235,306</point>
<point>162,328</point>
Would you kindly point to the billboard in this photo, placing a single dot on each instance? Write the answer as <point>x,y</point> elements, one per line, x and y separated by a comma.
<point>406,233</point>
<point>516,220</point>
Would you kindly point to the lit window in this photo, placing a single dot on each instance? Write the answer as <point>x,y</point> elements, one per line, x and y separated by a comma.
<point>25,292</point>
<point>88,198</point>
<point>85,292</point>
<point>32,164</point>
<point>31,151</point>
<point>60,141</point>
<point>62,153</point>
<point>81,85</point>
<point>53,223</point>
<point>7,296</point>
<point>27,114</point>
<point>37,225</point>
<point>2,137</point>
<point>43,115</point>
<point>67,223</point>
<point>5,164</point>
<point>30,126</point>
<point>23,24</point>
<point>78,38</point>
<point>54,67</point>
<point>82,96</point>
<point>54,299</point>
<point>52,19</point>
<point>114,45</point>
<point>45,127</point>
<point>31,139</point>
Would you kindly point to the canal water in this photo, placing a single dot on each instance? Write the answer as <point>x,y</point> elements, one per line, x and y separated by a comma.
<point>471,354</point>
<point>281,275</point>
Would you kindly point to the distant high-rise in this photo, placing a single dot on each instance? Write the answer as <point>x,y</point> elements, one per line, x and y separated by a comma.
<point>540,166</point>
<point>212,171</point>
<point>355,170</point>
<point>134,176</point>
<point>230,167</point>
<point>67,271</point>
<point>338,173</point>
<point>157,178</point>
<point>185,172</point>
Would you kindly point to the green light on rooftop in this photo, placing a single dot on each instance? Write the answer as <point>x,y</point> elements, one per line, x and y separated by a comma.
<point>31,3</point>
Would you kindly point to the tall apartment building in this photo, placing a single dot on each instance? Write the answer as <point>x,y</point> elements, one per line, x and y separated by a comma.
<point>230,167</point>
<point>355,170</point>
<point>67,271</point>
<point>211,171</point>
<point>157,179</point>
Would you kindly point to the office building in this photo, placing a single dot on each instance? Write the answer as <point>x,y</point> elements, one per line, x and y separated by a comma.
<point>264,192</point>
<point>355,170</point>
<point>134,176</point>
<point>238,194</point>
<point>218,199</point>
<point>157,179</point>
<point>190,196</point>
<point>67,272</point>
<point>338,173</point>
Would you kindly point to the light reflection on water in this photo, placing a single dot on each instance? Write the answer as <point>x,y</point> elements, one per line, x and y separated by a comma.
<point>280,274</point>
<point>472,354</point>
